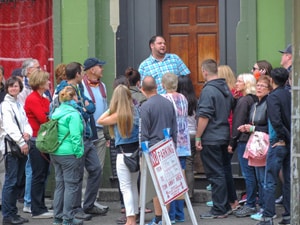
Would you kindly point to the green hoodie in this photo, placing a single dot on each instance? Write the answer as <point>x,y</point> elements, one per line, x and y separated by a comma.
<point>69,119</point>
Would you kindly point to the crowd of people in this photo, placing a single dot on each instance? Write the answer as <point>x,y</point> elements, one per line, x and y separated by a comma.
<point>157,95</point>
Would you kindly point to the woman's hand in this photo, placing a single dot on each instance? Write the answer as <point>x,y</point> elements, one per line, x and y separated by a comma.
<point>26,136</point>
<point>25,149</point>
<point>246,128</point>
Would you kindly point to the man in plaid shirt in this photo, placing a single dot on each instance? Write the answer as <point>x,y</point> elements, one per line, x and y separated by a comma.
<point>160,62</point>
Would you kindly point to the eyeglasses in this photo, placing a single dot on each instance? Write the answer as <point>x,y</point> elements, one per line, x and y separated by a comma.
<point>261,86</point>
<point>36,67</point>
<point>254,68</point>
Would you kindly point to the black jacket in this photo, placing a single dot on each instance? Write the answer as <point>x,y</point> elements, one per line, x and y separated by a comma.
<point>215,103</point>
<point>240,117</point>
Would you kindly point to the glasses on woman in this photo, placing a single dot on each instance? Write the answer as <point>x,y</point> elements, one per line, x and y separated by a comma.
<point>255,68</point>
<point>261,86</point>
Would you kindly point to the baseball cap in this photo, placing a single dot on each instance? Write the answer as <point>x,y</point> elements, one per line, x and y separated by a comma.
<point>17,72</point>
<point>90,62</point>
<point>287,50</point>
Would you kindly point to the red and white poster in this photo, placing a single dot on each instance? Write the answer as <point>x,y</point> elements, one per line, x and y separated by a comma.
<point>26,31</point>
<point>167,170</point>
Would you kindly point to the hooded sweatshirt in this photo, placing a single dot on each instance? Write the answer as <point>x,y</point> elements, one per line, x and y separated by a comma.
<point>215,103</point>
<point>69,120</point>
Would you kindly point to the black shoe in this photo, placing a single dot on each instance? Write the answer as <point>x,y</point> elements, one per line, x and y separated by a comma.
<point>96,211</point>
<point>284,222</point>
<point>25,220</point>
<point>12,220</point>
<point>266,222</point>
<point>83,216</point>
<point>209,215</point>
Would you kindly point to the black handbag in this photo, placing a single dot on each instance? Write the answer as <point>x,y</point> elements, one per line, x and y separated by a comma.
<point>132,161</point>
<point>14,147</point>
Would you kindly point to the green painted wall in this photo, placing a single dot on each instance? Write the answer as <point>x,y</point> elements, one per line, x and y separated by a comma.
<point>74,30</point>
<point>271,29</point>
<point>82,30</point>
<point>264,28</point>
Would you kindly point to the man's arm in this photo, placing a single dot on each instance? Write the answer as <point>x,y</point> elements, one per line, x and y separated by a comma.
<point>202,124</point>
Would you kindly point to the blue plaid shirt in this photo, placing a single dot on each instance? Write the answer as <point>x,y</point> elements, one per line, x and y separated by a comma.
<point>155,68</point>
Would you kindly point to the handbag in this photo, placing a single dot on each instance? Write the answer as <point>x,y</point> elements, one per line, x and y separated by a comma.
<point>133,161</point>
<point>258,145</point>
<point>14,147</point>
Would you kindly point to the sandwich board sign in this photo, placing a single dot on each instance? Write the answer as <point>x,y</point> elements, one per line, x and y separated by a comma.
<point>167,177</point>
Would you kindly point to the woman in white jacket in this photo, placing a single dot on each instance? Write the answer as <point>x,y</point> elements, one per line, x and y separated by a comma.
<point>12,114</point>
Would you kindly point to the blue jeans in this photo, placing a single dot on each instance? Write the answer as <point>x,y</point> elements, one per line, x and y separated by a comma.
<point>260,177</point>
<point>67,177</point>
<point>277,158</point>
<point>40,168</point>
<point>176,210</point>
<point>28,174</point>
<point>15,169</point>
<point>214,160</point>
<point>248,174</point>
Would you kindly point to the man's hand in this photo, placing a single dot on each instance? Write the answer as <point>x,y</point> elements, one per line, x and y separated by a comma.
<point>198,145</point>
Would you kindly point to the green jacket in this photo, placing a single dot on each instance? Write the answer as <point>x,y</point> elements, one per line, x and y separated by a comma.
<point>69,120</point>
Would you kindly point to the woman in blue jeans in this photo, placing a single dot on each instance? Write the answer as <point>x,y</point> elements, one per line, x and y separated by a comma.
<point>246,84</point>
<point>258,121</point>
<point>15,124</point>
<point>183,148</point>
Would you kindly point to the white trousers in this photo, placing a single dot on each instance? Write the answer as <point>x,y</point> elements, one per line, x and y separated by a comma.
<point>128,186</point>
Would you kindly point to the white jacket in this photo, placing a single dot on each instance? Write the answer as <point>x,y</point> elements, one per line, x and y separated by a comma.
<point>9,108</point>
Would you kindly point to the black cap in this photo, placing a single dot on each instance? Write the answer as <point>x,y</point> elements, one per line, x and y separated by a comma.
<point>17,72</point>
<point>90,62</point>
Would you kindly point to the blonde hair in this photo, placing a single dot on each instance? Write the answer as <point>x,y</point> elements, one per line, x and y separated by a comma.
<point>67,94</point>
<point>38,78</point>
<point>169,81</point>
<point>250,83</point>
<point>226,72</point>
<point>121,103</point>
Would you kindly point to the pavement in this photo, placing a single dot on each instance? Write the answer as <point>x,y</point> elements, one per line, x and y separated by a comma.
<point>114,213</point>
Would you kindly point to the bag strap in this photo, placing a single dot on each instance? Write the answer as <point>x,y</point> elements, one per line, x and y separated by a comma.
<point>253,116</point>
<point>15,116</point>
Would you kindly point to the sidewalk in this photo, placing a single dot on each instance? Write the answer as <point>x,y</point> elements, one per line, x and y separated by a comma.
<point>114,213</point>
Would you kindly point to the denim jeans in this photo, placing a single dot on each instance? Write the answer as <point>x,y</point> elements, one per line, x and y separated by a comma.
<point>260,177</point>
<point>277,158</point>
<point>176,210</point>
<point>28,174</point>
<point>67,177</point>
<point>15,169</point>
<point>214,159</point>
<point>248,174</point>
<point>40,168</point>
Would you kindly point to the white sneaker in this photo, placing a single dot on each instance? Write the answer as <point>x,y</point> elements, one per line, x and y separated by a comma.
<point>45,215</point>
<point>101,206</point>
<point>27,209</point>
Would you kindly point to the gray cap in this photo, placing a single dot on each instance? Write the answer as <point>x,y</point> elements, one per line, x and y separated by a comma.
<point>287,50</point>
